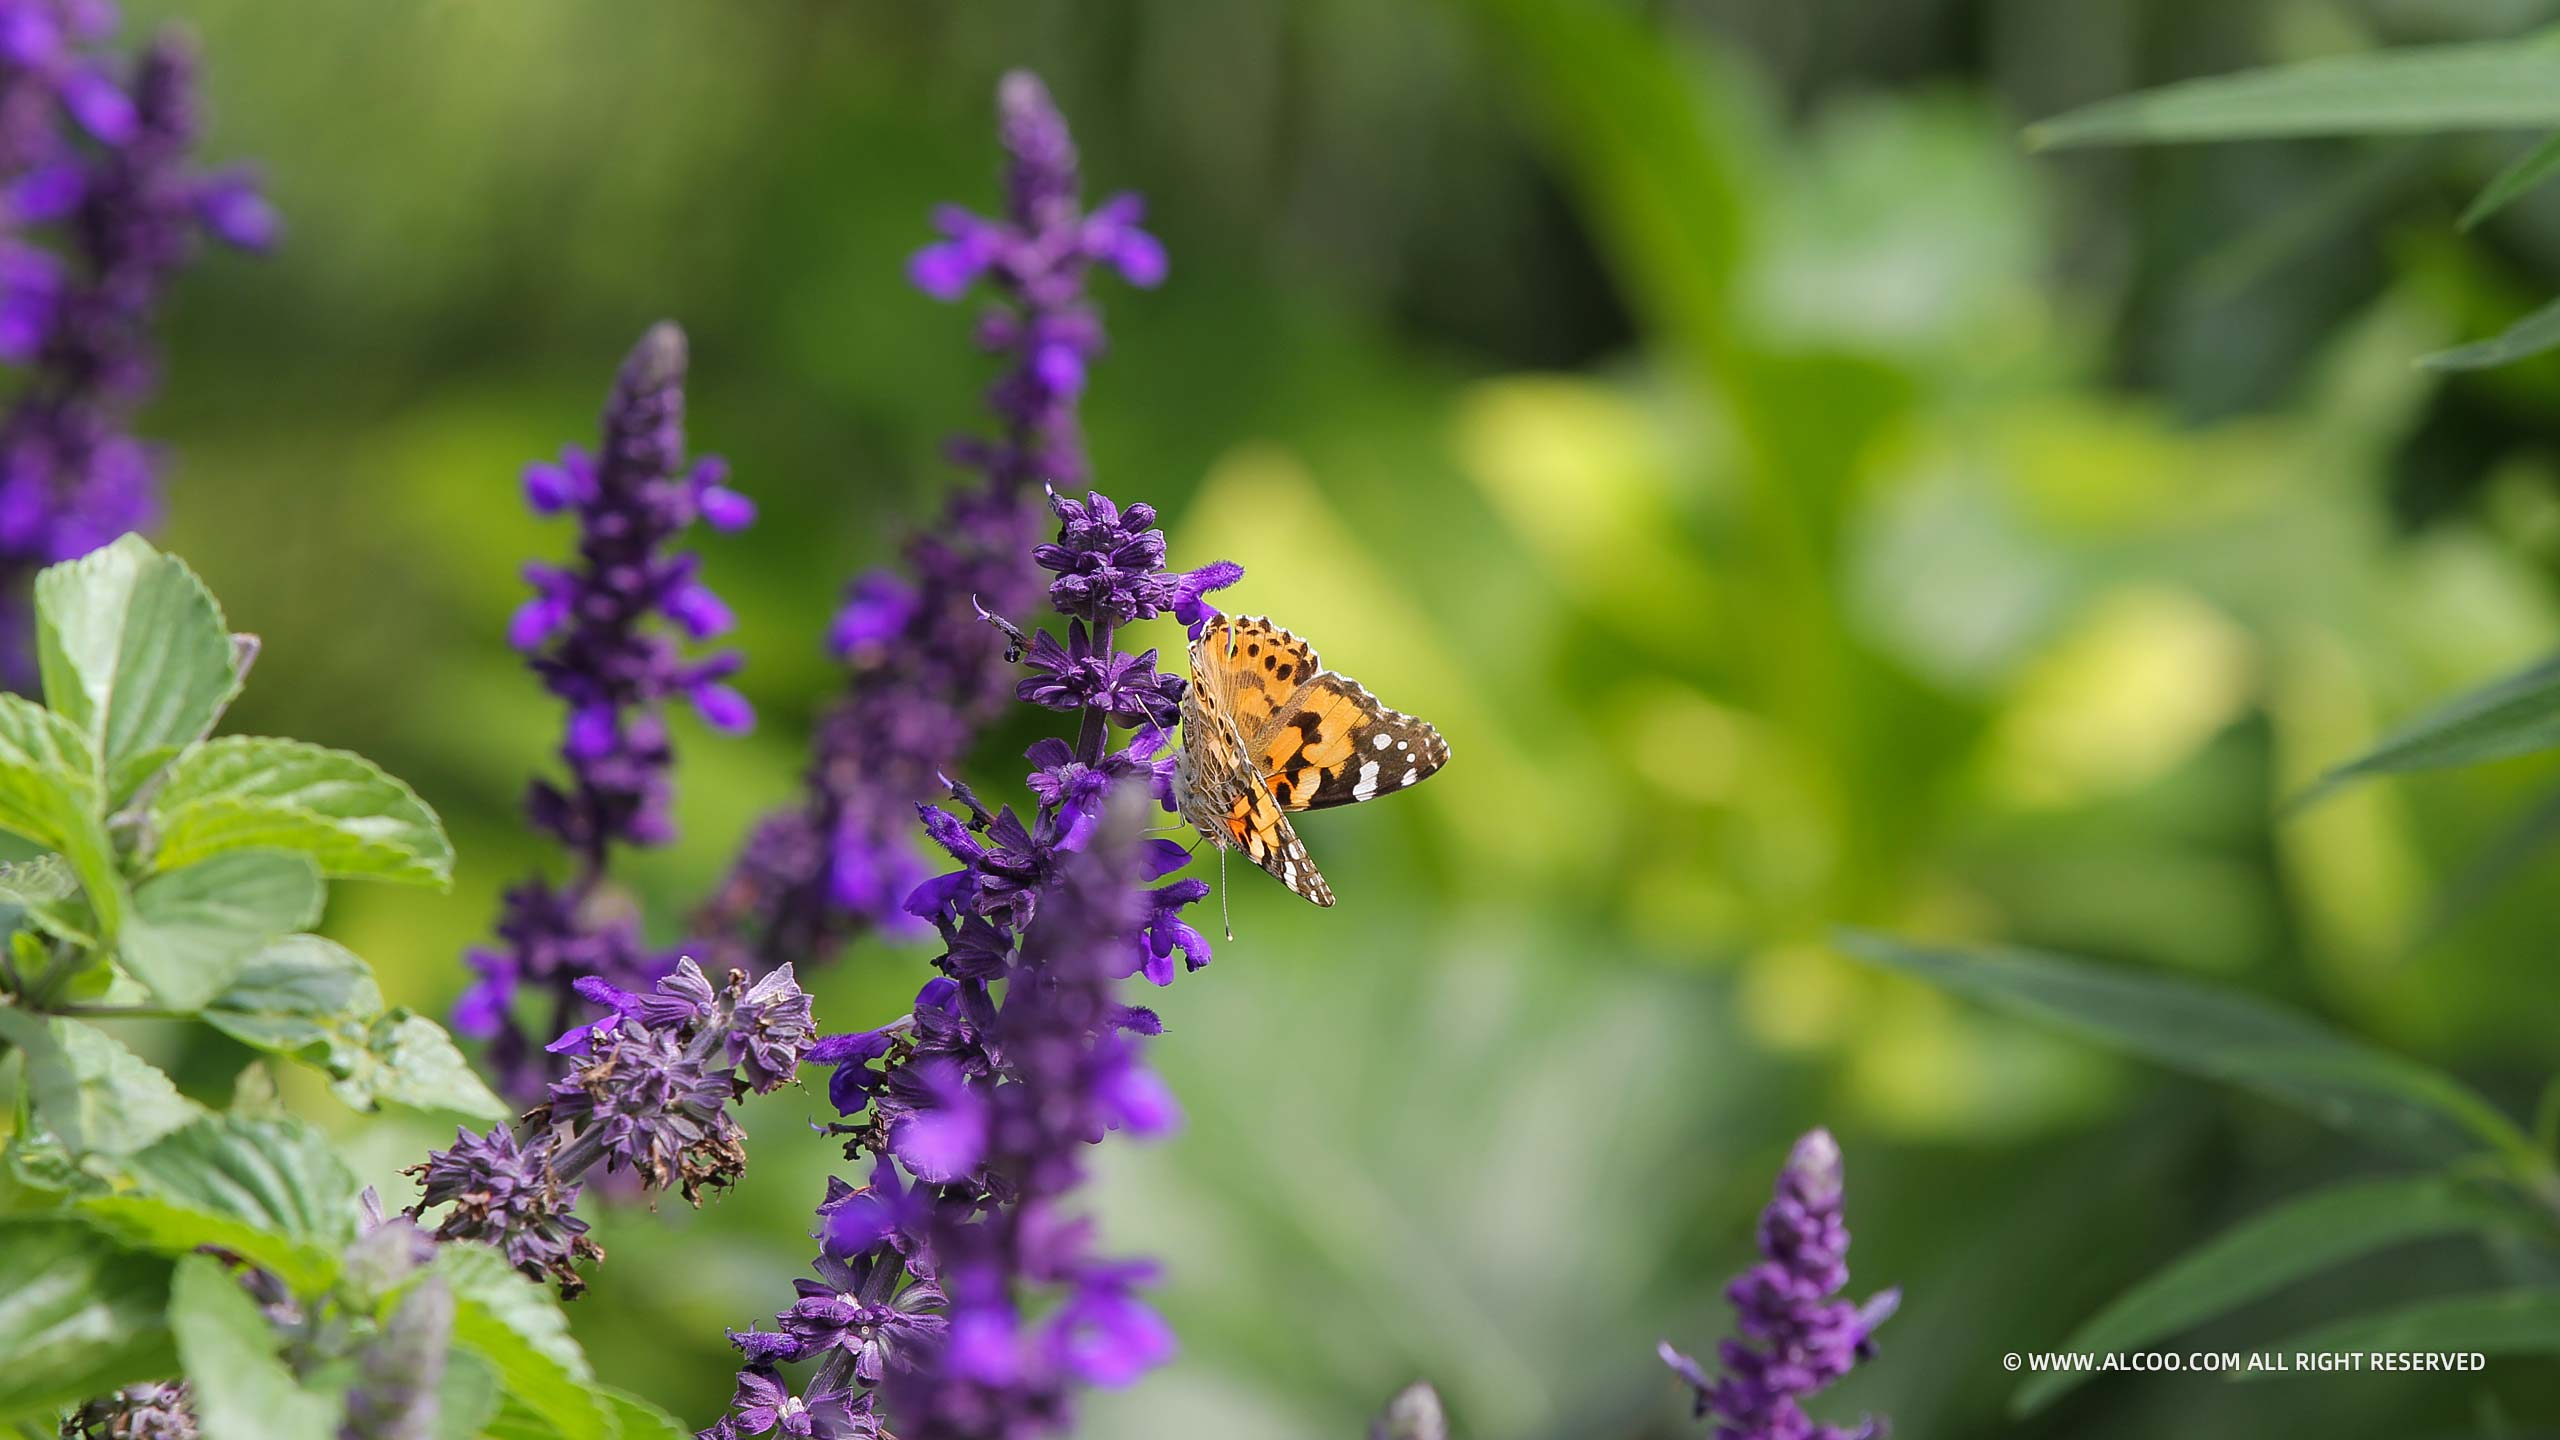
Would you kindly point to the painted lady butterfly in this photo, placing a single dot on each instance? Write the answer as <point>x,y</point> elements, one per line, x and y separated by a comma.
<point>1267,731</point>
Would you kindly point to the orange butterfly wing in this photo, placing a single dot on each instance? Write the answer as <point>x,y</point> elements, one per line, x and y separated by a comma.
<point>1276,727</point>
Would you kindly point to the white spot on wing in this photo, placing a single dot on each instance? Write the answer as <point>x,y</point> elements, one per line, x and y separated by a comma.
<point>1410,776</point>
<point>1386,740</point>
<point>1368,785</point>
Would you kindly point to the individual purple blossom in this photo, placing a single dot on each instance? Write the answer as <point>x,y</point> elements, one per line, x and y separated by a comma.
<point>608,636</point>
<point>1075,676</point>
<point>1796,1338</point>
<point>925,674</point>
<point>647,1093</point>
<point>765,1406</point>
<point>101,206</point>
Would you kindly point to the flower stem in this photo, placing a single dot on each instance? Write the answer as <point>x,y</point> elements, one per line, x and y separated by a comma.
<point>1095,732</point>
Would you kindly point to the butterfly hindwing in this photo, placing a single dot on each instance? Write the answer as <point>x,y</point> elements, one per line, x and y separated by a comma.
<point>1334,744</point>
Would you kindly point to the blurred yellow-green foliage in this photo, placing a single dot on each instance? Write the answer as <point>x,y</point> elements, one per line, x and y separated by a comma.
<point>1798,506</point>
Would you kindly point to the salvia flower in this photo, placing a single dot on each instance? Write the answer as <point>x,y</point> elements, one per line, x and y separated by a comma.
<point>959,1285</point>
<point>1796,1337</point>
<point>609,636</point>
<point>647,1094</point>
<point>137,1412</point>
<point>925,674</point>
<point>101,205</point>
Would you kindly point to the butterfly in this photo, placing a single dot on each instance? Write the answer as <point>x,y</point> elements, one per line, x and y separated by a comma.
<point>1267,732</point>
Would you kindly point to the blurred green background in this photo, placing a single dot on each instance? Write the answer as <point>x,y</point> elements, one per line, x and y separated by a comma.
<point>1797,505</point>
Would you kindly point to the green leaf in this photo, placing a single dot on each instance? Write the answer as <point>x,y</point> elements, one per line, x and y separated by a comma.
<point>2527,337</point>
<point>268,1190</point>
<point>193,928</point>
<point>134,653</point>
<point>243,1391</point>
<point>79,1316</point>
<point>309,999</point>
<point>640,1420</point>
<point>354,821</point>
<point>303,997</point>
<point>468,1399</point>
<point>2522,175</point>
<point>2491,85</point>
<point>517,1421</point>
<point>2507,1322</point>
<point>516,1326</point>
<point>99,1097</point>
<point>49,795</point>
<point>2226,1036</point>
<point>408,1059</point>
<point>2515,715</point>
<point>2267,1252</point>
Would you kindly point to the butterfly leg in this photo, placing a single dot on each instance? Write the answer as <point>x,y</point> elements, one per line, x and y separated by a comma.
<point>1225,916</point>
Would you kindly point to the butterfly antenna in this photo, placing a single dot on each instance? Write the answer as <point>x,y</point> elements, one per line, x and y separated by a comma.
<point>1224,914</point>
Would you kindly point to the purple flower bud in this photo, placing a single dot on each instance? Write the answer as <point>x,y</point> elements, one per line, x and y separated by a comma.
<point>100,106</point>
<point>724,709</point>
<point>700,613</point>
<point>48,192</point>
<point>725,509</point>
<point>235,211</point>
<point>548,488</point>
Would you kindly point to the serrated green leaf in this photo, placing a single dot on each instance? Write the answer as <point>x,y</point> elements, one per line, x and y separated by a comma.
<point>2520,177</point>
<point>303,997</point>
<point>2506,1322</point>
<point>2527,337</point>
<point>49,794</point>
<point>192,929</point>
<point>243,1390</point>
<point>268,1190</point>
<point>79,1316</point>
<point>2486,85</point>
<point>468,1399</point>
<point>278,1173</point>
<point>134,653</point>
<point>408,1059</point>
<point>637,1419</point>
<point>2267,1252</point>
<point>517,1327</point>
<point>98,1096</point>
<point>2226,1036</point>
<point>353,820</point>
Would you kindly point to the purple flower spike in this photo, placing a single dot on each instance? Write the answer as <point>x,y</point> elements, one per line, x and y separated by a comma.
<point>1796,1339</point>
<point>105,207</point>
<point>959,1287</point>
<point>926,674</point>
<point>605,635</point>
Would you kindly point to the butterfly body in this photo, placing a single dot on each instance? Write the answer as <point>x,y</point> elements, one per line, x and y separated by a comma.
<point>1268,732</point>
